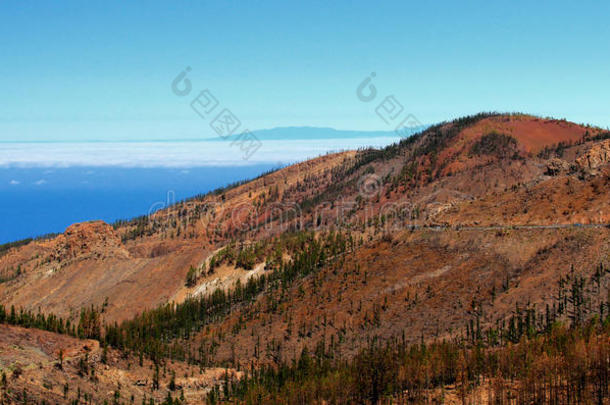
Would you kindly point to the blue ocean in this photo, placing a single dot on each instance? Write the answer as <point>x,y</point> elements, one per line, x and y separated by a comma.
<point>37,201</point>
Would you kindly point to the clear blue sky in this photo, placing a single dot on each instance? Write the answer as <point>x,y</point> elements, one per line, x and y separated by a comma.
<point>77,66</point>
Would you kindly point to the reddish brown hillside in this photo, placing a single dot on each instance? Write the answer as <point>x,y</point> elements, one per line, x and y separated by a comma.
<point>532,133</point>
<point>485,170</point>
<point>93,264</point>
<point>428,283</point>
<point>60,369</point>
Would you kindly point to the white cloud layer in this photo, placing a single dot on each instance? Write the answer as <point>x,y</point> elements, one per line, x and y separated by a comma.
<point>172,154</point>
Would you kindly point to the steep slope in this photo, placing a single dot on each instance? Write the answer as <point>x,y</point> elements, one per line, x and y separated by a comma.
<point>61,369</point>
<point>139,264</point>
<point>426,283</point>
<point>489,169</point>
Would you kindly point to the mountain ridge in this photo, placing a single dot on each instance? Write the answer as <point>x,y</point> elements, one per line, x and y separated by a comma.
<point>394,181</point>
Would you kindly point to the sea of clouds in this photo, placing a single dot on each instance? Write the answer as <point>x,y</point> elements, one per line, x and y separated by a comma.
<point>217,152</point>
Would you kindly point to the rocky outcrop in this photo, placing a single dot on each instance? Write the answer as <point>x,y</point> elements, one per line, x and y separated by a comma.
<point>596,157</point>
<point>588,163</point>
<point>95,239</point>
<point>556,166</point>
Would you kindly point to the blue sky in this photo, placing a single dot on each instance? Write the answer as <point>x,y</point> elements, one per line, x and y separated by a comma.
<point>102,70</point>
<point>105,67</point>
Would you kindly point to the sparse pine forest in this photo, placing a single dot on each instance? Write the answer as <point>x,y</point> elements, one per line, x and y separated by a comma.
<point>555,356</point>
<point>558,366</point>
